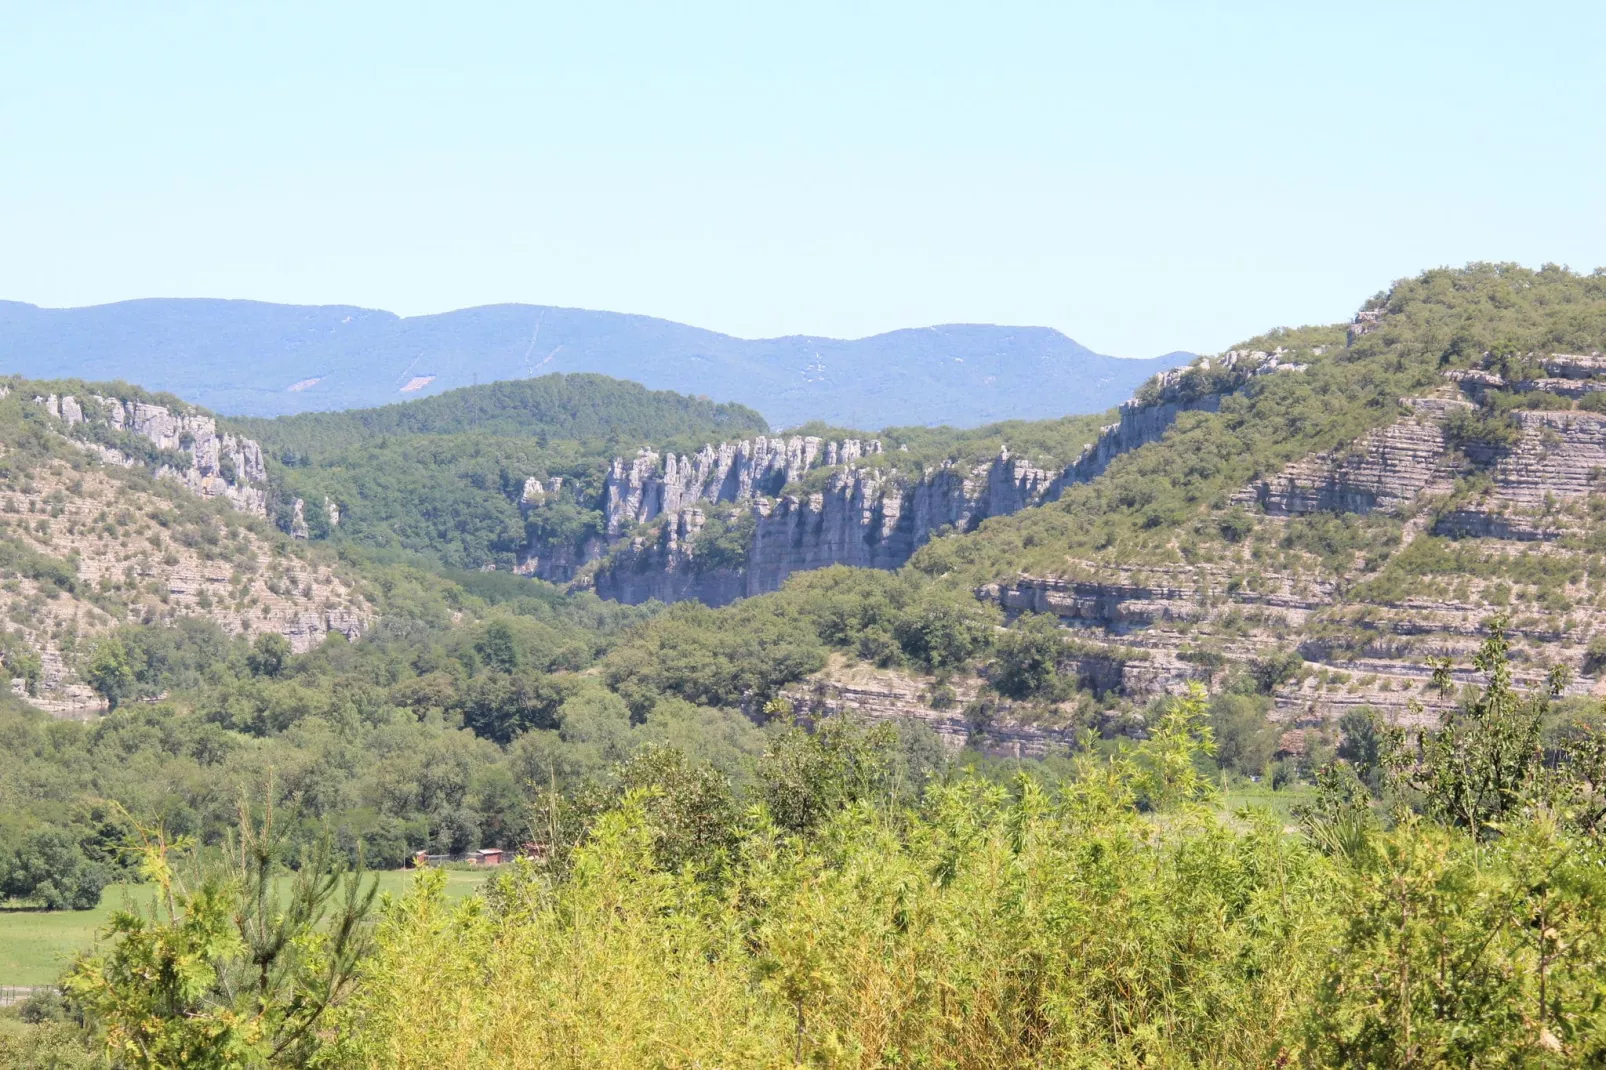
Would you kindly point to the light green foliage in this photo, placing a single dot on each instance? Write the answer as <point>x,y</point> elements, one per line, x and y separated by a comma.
<point>1169,759</point>
<point>1452,954</point>
<point>983,929</point>
<point>1479,768</point>
<point>228,972</point>
<point>1245,740</point>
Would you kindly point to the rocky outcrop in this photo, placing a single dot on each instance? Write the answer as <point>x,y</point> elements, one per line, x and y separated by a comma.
<point>1385,469</point>
<point>649,486</point>
<point>1365,322</point>
<point>1144,419</point>
<point>866,514</point>
<point>662,566</point>
<point>865,517</point>
<point>1123,601</point>
<point>219,465</point>
<point>889,695</point>
<point>132,557</point>
<point>1558,457</point>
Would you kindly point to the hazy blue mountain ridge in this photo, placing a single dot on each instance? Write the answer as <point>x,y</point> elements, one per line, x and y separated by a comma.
<point>244,358</point>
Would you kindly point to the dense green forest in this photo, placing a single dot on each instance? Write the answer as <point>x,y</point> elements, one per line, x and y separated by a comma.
<point>708,883</point>
<point>578,407</point>
<point>440,479</point>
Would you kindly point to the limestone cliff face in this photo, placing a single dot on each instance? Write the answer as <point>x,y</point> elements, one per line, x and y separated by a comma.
<point>662,567</point>
<point>867,514</point>
<point>866,517</point>
<point>890,695</point>
<point>220,465</point>
<point>649,486</point>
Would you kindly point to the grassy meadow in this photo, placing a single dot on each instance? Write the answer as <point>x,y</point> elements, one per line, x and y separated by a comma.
<point>36,945</point>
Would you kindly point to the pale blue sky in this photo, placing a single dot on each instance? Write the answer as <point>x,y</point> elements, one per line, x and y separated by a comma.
<point>1142,176</point>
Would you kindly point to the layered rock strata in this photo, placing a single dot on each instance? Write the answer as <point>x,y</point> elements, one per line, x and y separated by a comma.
<point>124,544</point>
<point>888,695</point>
<point>1385,469</point>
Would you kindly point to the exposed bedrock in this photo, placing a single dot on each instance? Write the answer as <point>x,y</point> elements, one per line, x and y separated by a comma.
<point>1386,469</point>
<point>867,513</point>
<point>219,465</point>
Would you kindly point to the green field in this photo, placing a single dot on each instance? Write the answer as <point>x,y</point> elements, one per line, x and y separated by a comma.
<point>36,945</point>
<point>1280,804</point>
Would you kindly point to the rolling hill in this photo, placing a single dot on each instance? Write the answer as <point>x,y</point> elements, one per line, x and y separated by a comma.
<point>250,358</point>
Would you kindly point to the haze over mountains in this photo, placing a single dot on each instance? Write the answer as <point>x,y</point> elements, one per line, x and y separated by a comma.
<point>260,359</point>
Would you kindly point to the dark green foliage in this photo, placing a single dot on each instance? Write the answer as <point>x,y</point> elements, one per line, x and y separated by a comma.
<point>579,406</point>
<point>1595,655</point>
<point>1028,657</point>
<point>20,661</point>
<point>562,523</point>
<point>1479,767</point>
<point>723,541</point>
<point>1491,429</point>
<point>737,657</point>
<point>806,777</point>
<point>1340,538</point>
<point>944,629</point>
<point>110,673</point>
<point>1365,743</point>
<point>1236,524</point>
<point>19,560</point>
<point>501,706</point>
<point>443,477</point>
<point>269,654</point>
<point>49,869</point>
<point>1272,671</point>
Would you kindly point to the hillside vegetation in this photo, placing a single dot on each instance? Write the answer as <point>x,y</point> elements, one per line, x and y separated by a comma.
<point>575,406</point>
<point>964,813</point>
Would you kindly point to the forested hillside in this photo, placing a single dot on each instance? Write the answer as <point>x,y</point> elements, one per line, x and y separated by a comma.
<point>1272,739</point>
<point>577,406</point>
<point>444,477</point>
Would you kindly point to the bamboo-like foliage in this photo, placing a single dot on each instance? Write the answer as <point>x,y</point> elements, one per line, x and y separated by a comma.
<point>1121,922</point>
<point>988,928</point>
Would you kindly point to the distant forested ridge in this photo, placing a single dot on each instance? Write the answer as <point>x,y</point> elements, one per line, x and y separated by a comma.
<point>258,359</point>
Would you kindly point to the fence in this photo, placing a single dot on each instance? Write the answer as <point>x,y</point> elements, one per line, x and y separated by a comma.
<point>11,995</point>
